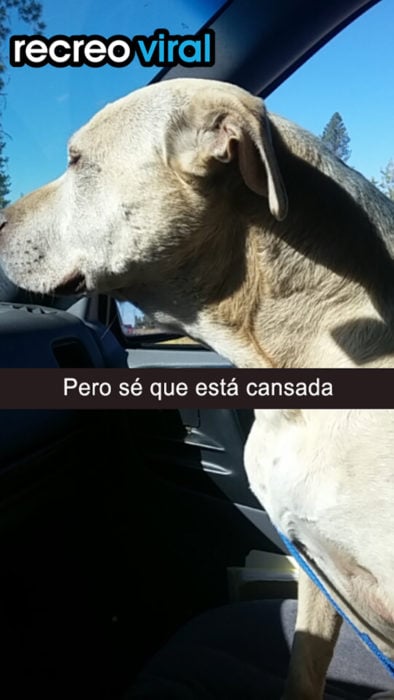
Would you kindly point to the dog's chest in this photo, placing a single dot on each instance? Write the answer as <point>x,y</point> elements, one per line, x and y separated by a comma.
<point>286,471</point>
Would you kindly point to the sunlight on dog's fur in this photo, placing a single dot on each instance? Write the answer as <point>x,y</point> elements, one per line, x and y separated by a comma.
<point>242,230</point>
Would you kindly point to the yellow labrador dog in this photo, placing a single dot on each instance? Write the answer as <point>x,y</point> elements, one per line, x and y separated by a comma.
<point>240,228</point>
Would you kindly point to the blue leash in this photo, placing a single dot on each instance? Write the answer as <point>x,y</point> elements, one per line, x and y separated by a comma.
<point>387,663</point>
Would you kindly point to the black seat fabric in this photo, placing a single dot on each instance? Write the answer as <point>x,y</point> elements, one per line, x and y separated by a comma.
<point>242,651</point>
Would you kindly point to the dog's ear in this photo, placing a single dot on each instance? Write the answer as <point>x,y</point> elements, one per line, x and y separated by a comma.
<point>241,134</point>
<point>248,140</point>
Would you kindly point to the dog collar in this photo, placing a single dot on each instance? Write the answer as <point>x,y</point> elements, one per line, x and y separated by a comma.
<point>387,663</point>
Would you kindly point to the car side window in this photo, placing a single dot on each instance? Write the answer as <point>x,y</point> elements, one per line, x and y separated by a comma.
<point>345,93</point>
<point>137,326</point>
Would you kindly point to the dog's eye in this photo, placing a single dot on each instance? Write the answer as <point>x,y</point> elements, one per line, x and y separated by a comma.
<point>73,158</point>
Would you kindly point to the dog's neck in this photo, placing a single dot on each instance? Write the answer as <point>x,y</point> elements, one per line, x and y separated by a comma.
<point>300,315</point>
<point>265,304</point>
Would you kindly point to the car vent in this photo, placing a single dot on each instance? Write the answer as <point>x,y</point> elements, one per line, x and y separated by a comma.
<point>71,353</point>
<point>26,308</point>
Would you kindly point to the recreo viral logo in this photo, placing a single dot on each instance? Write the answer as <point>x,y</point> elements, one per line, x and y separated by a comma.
<point>161,49</point>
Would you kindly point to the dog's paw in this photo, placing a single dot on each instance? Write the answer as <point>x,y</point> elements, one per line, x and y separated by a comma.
<point>388,694</point>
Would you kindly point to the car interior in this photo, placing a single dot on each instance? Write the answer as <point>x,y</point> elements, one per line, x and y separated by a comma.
<point>117,527</point>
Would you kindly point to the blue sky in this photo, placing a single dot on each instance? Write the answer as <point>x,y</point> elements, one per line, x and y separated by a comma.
<point>44,106</point>
<point>352,75</point>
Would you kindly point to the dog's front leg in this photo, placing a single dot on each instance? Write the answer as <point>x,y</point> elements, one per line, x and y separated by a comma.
<point>317,630</point>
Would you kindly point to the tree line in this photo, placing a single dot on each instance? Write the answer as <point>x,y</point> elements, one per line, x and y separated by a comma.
<point>30,12</point>
<point>337,139</point>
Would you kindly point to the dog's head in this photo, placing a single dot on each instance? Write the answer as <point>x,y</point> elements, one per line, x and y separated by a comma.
<point>147,177</point>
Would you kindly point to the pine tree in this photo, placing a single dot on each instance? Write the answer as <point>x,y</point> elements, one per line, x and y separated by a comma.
<point>386,183</point>
<point>30,12</point>
<point>4,178</point>
<point>336,137</point>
